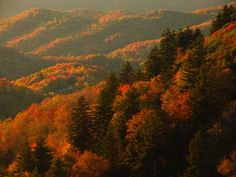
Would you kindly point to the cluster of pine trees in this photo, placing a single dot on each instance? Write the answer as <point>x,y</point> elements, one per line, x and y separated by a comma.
<point>176,128</point>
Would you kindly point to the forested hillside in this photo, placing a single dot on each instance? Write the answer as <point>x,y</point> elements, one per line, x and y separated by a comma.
<point>81,32</point>
<point>174,116</point>
<point>15,99</point>
<point>11,7</point>
<point>14,64</point>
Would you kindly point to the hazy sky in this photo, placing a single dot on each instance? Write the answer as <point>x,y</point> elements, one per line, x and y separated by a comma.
<point>12,7</point>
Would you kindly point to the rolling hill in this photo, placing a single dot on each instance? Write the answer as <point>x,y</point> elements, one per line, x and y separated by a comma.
<point>80,32</point>
<point>15,98</point>
<point>11,7</point>
<point>14,64</point>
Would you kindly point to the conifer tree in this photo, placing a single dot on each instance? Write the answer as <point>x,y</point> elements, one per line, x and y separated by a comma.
<point>184,38</point>
<point>152,66</point>
<point>168,49</point>
<point>103,109</point>
<point>57,169</point>
<point>42,157</point>
<point>25,159</point>
<point>147,144</point>
<point>126,108</point>
<point>127,74</point>
<point>197,156</point>
<point>227,15</point>
<point>78,129</point>
<point>191,68</point>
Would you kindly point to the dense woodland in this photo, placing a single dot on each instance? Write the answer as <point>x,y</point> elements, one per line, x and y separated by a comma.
<point>174,116</point>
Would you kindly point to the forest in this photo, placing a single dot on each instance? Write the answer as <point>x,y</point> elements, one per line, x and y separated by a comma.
<point>172,114</point>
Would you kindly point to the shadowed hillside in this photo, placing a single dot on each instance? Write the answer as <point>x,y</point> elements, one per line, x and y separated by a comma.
<point>84,32</point>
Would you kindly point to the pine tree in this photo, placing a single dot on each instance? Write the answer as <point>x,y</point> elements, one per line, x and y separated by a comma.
<point>126,108</point>
<point>191,68</point>
<point>57,169</point>
<point>197,156</point>
<point>127,74</point>
<point>78,129</point>
<point>168,50</point>
<point>42,157</point>
<point>103,109</point>
<point>25,159</point>
<point>152,66</point>
<point>184,38</point>
<point>227,15</point>
<point>147,144</point>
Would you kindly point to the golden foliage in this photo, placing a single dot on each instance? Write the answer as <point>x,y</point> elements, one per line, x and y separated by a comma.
<point>90,165</point>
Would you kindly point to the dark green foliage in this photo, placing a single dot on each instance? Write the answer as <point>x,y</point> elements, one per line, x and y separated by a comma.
<point>192,67</point>
<point>127,107</point>
<point>14,64</point>
<point>197,156</point>
<point>168,50</point>
<point>103,110</point>
<point>42,157</point>
<point>15,98</point>
<point>25,159</point>
<point>153,64</point>
<point>227,15</point>
<point>78,129</point>
<point>185,38</point>
<point>127,74</point>
<point>146,147</point>
<point>57,169</point>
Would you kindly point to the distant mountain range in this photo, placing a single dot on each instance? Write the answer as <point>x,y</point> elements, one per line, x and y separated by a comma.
<point>12,7</point>
<point>81,32</point>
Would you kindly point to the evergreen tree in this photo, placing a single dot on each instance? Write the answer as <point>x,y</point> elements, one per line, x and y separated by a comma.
<point>184,38</point>
<point>57,169</point>
<point>42,157</point>
<point>139,75</point>
<point>126,108</point>
<point>103,110</point>
<point>191,68</point>
<point>197,156</point>
<point>197,34</point>
<point>168,50</point>
<point>78,129</point>
<point>227,15</point>
<point>152,66</point>
<point>147,145</point>
<point>25,159</point>
<point>127,74</point>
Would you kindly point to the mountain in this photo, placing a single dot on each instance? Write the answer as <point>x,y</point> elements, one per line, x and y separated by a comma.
<point>15,98</point>
<point>82,32</point>
<point>11,7</point>
<point>14,64</point>
<point>151,119</point>
<point>70,76</point>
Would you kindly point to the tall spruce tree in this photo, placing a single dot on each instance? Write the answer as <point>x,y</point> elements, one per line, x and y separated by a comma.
<point>191,67</point>
<point>227,15</point>
<point>103,109</point>
<point>57,169</point>
<point>146,147</point>
<point>126,108</point>
<point>127,74</point>
<point>184,38</point>
<point>153,65</point>
<point>168,50</point>
<point>78,128</point>
<point>198,166</point>
<point>25,159</point>
<point>42,157</point>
